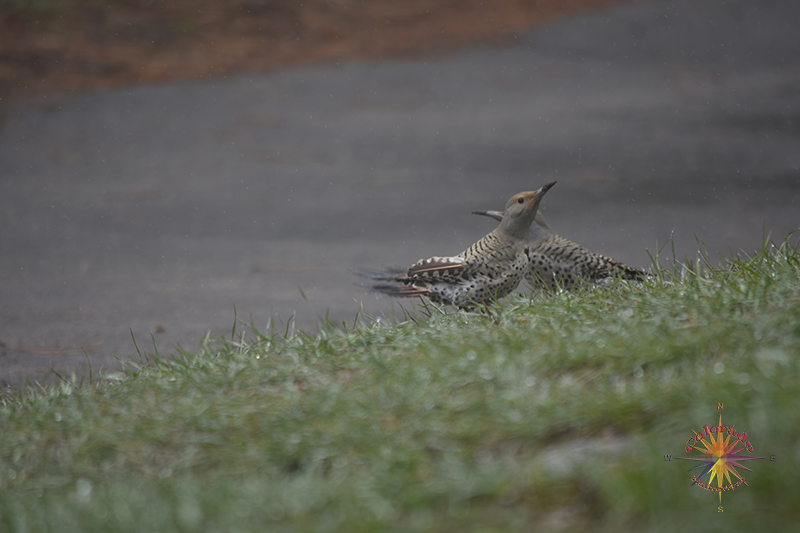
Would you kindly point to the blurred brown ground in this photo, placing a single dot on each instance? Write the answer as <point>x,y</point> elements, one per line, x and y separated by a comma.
<point>79,44</point>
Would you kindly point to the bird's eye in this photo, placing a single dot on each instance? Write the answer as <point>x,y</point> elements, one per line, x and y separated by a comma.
<point>521,200</point>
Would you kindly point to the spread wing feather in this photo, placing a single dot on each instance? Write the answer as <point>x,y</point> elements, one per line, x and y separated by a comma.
<point>437,267</point>
<point>420,276</point>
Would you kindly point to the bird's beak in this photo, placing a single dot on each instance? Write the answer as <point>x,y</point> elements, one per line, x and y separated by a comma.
<point>538,194</point>
<point>543,190</point>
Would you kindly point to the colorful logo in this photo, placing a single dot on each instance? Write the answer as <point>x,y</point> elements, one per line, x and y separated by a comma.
<point>722,450</point>
<point>721,453</point>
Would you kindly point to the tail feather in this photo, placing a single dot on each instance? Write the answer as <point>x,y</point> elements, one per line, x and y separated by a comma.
<point>393,281</point>
<point>386,274</point>
<point>624,271</point>
<point>634,274</point>
<point>397,290</point>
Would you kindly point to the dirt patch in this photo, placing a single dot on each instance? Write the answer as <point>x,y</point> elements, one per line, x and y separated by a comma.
<point>69,45</point>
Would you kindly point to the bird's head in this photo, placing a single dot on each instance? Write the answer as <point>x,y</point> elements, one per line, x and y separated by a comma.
<point>520,212</point>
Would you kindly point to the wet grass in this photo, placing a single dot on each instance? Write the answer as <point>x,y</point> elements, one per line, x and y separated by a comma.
<point>551,413</point>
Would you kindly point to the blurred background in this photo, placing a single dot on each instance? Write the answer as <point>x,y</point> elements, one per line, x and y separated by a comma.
<point>84,44</point>
<point>166,166</point>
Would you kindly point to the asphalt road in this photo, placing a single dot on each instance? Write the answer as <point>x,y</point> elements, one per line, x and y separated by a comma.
<point>159,209</point>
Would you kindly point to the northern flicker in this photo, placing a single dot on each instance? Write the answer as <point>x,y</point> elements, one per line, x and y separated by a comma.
<point>491,268</point>
<point>556,262</point>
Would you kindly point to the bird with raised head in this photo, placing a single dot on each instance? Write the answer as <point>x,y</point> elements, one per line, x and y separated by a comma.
<point>559,263</point>
<point>489,269</point>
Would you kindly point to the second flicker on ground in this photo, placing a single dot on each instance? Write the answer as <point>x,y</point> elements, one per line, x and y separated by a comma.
<point>489,269</point>
<point>559,263</point>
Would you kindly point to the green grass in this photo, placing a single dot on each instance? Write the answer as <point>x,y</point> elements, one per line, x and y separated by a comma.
<point>552,413</point>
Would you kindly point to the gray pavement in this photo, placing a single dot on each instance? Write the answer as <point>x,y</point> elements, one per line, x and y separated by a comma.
<point>158,209</point>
